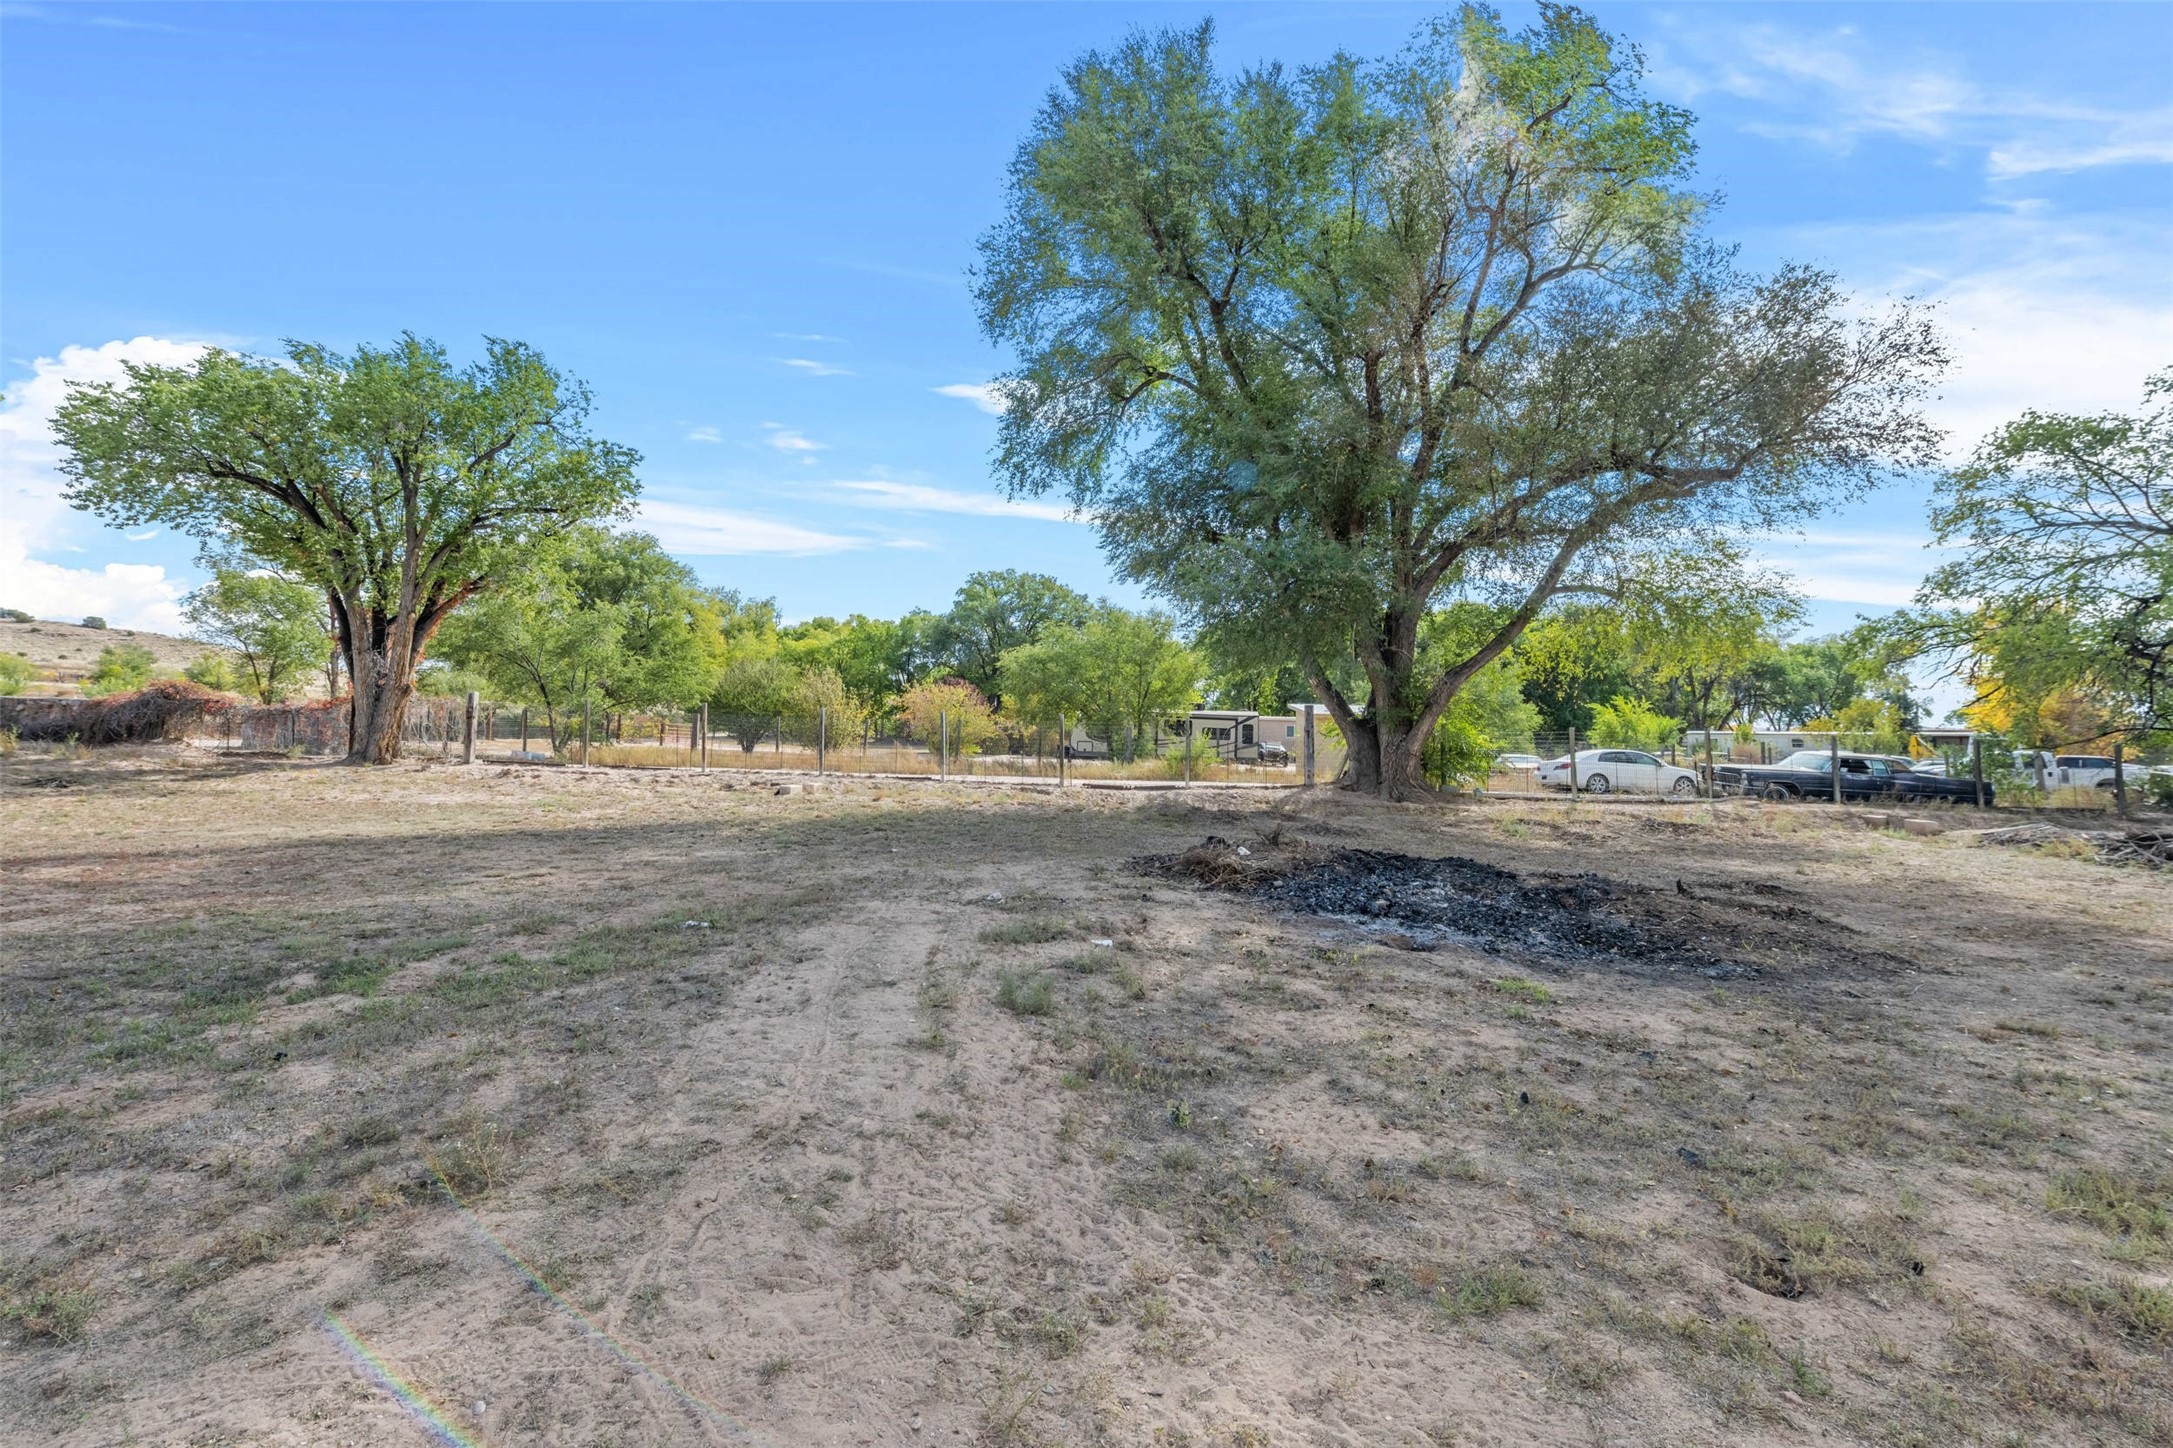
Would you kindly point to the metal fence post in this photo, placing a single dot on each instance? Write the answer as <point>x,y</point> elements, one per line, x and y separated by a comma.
<point>1976,765</point>
<point>1833,753</point>
<point>584,731</point>
<point>524,728</point>
<point>1708,764</point>
<point>705,736</point>
<point>1187,747</point>
<point>943,739</point>
<point>1063,749</point>
<point>1573,762</point>
<point>2120,779</point>
<point>467,727</point>
<point>1309,746</point>
<point>822,733</point>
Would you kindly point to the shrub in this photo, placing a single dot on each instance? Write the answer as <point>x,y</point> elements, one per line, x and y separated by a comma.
<point>216,672</point>
<point>15,671</point>
<point>120,669</point>
<point>94,621</point>
<point>1025,993</point>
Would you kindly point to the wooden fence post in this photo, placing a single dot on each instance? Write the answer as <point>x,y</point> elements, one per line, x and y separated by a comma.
<point>467,727</point>
<point>2120,780</point>
<point>1309,746</point>
<point>584,731</point>
<point>943,741</point>
<point>1833,753</point>
<point>1063,749</point>
<point>1976,765</point>
<point>705,736</point>
<point>822,736</point>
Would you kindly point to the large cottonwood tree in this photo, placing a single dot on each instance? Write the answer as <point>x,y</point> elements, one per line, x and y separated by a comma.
<point>1323,351</point>
<point>397,483</point>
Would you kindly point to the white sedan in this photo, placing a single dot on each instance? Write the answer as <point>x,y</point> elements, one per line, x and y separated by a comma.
<point>1611,771</point>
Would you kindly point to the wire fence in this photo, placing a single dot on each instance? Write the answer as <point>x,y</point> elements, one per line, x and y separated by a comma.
<point>1556,765</point>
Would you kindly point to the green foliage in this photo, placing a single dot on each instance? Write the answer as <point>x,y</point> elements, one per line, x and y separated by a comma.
<point>392,482</point>
<point>18,615</point>
<point>1626,723</point>
<point>967,717</point>
<point>874,659</point>
<point>274,627</point>
<point>1119,673</point>
<point>2065,582</point>
<point>997,612</point>
<point>15,673</point>
<point>1197,272</point>
<point>121,669</point>
<point>601,618</point>
<point>216,671</point>
<point>94,621</point>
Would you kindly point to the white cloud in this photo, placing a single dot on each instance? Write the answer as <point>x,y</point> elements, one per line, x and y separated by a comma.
<point>1833,88</point>
<point>804,337</point>
<point>34,518</point>
<point>705,433</point>
<point>988,396</point>
<point>2063,314</point>
<point>784,439</point>
<point>813,368</point>
<point>710,532</point>
<point>909,543</point>
<point>914,497</point>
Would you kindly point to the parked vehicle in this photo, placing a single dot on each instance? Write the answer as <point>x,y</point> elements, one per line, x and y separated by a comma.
<point>1516,761</point>
<point>1274,753</point>
<point>1608,771</point>
<point>1809,775</point>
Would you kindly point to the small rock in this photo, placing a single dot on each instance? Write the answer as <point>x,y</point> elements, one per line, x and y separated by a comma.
<point>1524,1098</point>
<point>1242,851</point>
<point>1787,1396</point>
<point>1104,944</point>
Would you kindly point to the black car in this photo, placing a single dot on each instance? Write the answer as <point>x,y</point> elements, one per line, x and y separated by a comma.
<point>1809,775</point>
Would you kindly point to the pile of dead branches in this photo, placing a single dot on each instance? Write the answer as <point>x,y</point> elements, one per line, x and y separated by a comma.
<point>2151,847</point>
<point>160,710</point>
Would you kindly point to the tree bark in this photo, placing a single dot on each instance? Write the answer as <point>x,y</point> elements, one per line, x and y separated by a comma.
<point>382,690</point>
<point>1384,761</point>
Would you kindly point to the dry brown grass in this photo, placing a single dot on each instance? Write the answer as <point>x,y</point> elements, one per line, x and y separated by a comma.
<point>828,1108</point>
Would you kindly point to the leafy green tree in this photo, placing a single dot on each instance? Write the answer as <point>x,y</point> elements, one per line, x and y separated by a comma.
<point>533,641</point>
<point>1819,678</point>
<point>1626,723</point>
<point>995,613</point>
<point>1574,658</point>
<point>274,628</point>
<point>753,695</point>
<point>15,673</point>
<point>1120,674</point>
<point>1320,351</point>
<point>94,621</point>
<point>2065,584</point>
<point>120,669</point>
<point>393,482</point>
<point>604,618</point>
<point>874,659</point>
<point>217,671</point>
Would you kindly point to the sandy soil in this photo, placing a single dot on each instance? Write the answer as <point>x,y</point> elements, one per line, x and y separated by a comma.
<point>617,1108</point>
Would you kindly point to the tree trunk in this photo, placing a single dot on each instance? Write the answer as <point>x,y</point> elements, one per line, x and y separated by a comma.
<point>1384,761</point>
<point>382,689</point>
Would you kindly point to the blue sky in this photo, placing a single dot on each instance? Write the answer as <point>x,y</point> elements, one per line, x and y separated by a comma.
<point>747,228</point>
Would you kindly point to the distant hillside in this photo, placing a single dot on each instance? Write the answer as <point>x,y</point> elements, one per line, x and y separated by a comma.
<point>64,652</point>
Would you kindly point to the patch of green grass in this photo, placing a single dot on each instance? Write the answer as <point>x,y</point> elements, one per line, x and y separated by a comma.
<point>2130,1208</point>
<point>1093,962</point>
<point>1522,989</point>
<point>2131,1308</point>
<point>51,1311</point>
<point>1025,993</point>
<point>1487,1291</point>
<point>1032,930</point>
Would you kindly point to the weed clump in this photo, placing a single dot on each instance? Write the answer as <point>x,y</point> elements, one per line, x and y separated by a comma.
<point>1025,993</point>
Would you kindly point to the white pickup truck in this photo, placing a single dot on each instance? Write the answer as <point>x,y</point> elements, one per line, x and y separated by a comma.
<point>2077,771</point>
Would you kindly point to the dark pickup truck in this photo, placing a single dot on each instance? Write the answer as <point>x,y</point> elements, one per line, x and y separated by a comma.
<point>1809,775</point>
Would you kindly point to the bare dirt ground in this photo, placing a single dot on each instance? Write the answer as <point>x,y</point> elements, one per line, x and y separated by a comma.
<point>530,1106</point>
